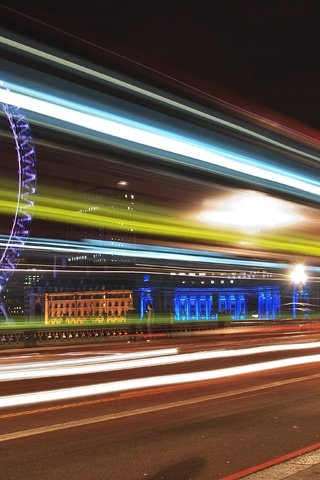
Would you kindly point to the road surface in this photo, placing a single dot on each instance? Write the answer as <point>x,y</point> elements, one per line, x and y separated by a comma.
<point>194,408</point>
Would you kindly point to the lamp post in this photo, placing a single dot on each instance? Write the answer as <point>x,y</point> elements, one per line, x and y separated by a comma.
<point>298,277</point>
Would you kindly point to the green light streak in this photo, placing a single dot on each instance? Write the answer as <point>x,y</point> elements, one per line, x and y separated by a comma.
<point>64,207</point>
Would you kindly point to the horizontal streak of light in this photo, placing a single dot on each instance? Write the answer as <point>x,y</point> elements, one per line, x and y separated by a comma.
<point>95,247</point>
<point>162,270</point>
<point>149,94</point>
<point>105,358</point>
<point>181,271</point>
<point>157,139</point>
<point>57,369</point>
<point>175,255</point>
<point>139,411</point>
<point>148,382</point>
<point>155,222</point>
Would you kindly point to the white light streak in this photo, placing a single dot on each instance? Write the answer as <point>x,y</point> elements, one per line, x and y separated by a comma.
<point>135,89</point>
<point>148,382</point>
<point>138,250</point>
<point>23,368</point>
<point>156,138</point>
<point>131,361</point>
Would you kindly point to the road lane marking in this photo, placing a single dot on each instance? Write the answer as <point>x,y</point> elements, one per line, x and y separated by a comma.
<point>141,411</point>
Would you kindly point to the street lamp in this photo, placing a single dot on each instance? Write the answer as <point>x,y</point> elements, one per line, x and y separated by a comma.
<point>299,278</point>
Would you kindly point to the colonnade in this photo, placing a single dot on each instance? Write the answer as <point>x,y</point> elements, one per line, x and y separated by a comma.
<point>234,303</point>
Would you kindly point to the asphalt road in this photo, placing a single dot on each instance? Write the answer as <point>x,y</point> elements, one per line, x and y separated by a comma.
<point>170,427</point>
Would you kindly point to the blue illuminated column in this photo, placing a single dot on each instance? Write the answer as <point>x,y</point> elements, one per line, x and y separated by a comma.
<point>261,305</point>
<point>241,308</point>
<point>202,307</point>
<point>194,301</point>
<point>182,307</point>
<point>145,298</point>
<point>208,307</point>
<point>265,305</point>
<point>295,299</point>
<point>276,305</point>
<point>232,306</point>
<point>269,303</point>
<point>187,307</point>
<point>306,302</point>
<point>222,303</point>
<point>269,306</point>
<point>176,309</point>
<point>300,300</point>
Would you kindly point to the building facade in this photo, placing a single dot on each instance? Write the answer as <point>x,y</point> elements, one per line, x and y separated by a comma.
<point>78,307</point>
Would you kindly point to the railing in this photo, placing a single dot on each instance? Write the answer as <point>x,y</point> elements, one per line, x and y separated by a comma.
<point>11,337</point>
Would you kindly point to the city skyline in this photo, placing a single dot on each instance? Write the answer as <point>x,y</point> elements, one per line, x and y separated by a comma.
<point>103,121</point>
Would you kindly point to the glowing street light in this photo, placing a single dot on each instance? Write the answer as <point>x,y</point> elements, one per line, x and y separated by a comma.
<point>298,275</point>
<point>299,278</point>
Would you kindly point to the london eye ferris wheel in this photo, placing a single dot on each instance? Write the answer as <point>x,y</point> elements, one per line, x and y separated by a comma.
<point>22,217</point>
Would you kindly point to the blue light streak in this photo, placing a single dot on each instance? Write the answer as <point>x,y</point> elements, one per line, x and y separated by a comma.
<point>147,93</point>
<point>188,150</point>
<point>92,247</point>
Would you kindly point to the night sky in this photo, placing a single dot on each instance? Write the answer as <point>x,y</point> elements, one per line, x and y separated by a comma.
<point>261,55</point>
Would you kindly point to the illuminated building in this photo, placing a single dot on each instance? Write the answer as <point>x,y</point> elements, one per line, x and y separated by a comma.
<point>76,307</point>
<point>193,304</point>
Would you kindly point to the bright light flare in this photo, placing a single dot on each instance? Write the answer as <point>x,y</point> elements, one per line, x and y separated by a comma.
<point>251,210</point>
<point>298,274</point>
